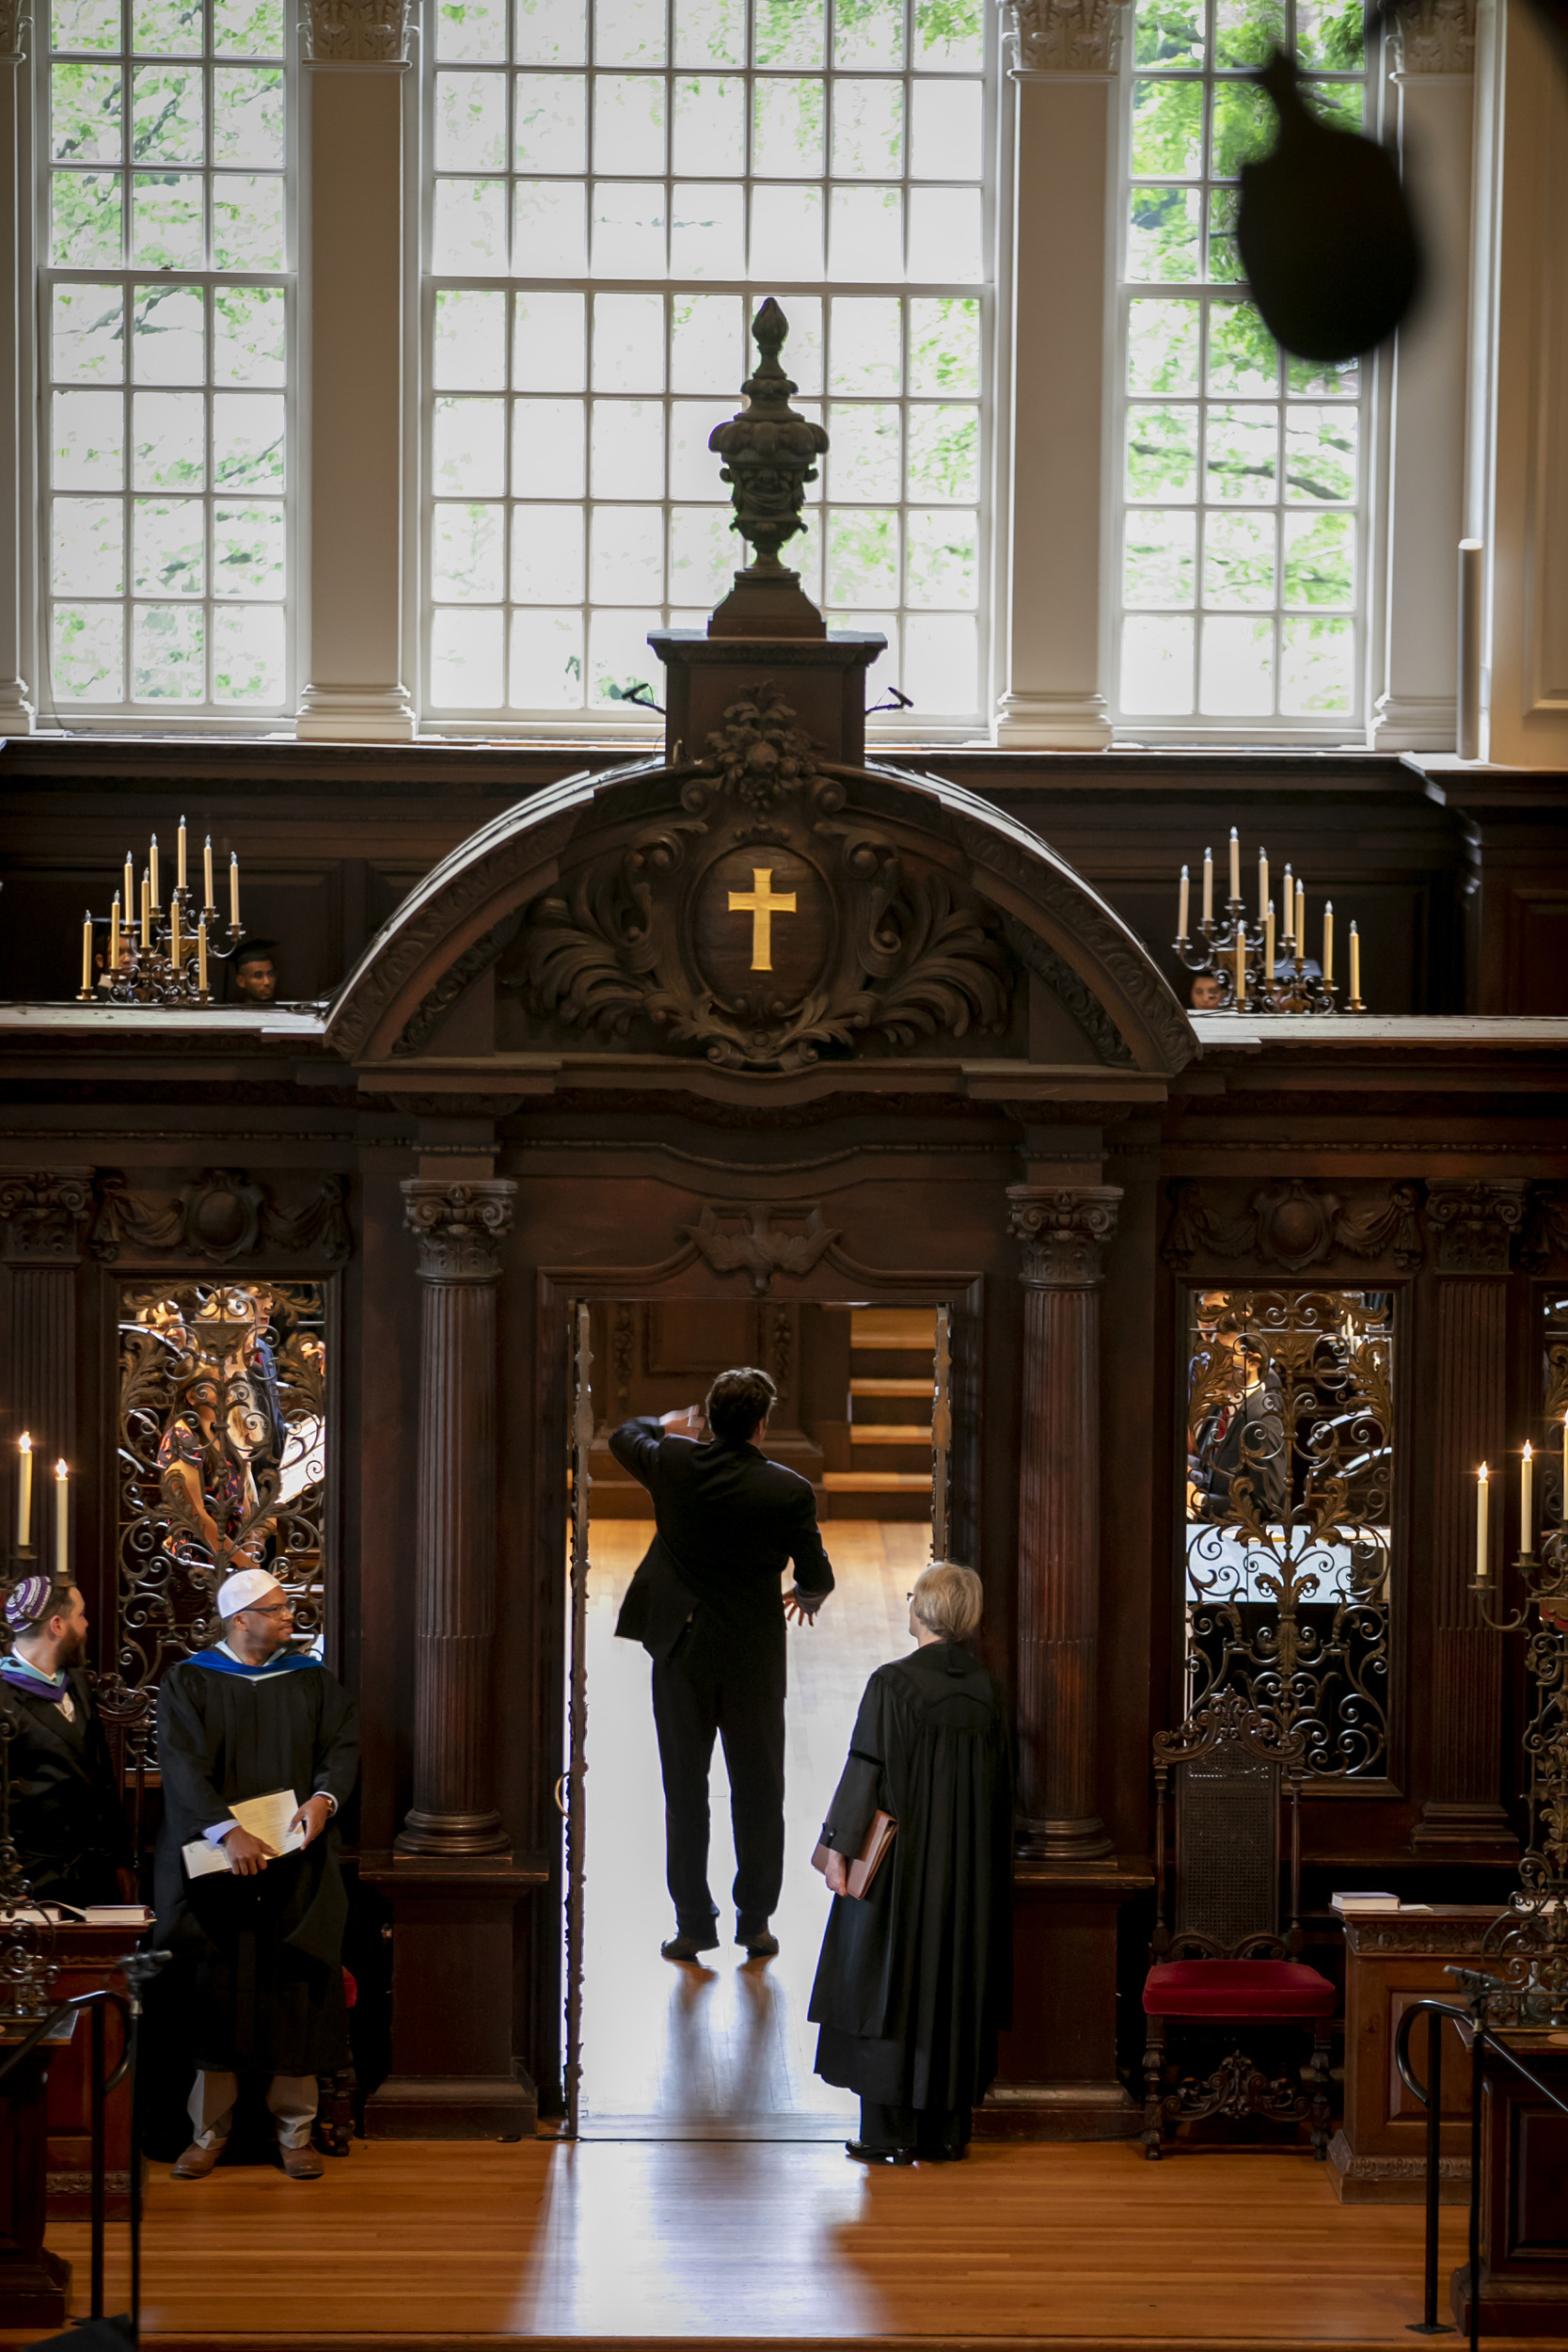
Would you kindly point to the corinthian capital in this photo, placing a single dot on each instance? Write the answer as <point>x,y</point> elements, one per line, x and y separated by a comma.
<point>1065,1230</point>
<point>41,1214</point>
<point>1066,36</point>
<point>1435,37</point>
<point>355,32</point>
<point>1475,1219</point>
<point>458,1226</point>
<point>13,21</point>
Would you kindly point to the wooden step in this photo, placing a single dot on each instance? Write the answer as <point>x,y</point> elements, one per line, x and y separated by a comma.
<point>893,1326</point>
<point>877,1482</point>
<point>888,1433</point>
<point>892,1387</point>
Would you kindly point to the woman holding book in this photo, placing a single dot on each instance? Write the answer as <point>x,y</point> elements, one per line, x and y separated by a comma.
<point>915,1977</point>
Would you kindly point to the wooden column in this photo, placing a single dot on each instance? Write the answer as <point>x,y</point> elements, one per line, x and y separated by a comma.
<point>1474,1222</point>
<point>458,1226</point>
<point>1065,1232</point>
<point>41,1216</point>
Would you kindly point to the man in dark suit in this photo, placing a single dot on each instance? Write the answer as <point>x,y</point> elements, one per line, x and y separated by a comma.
<point>706,1605</point>
<point>67,1821</point>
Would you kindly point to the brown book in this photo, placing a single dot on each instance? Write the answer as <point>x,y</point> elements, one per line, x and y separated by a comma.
<point>866,1864</point>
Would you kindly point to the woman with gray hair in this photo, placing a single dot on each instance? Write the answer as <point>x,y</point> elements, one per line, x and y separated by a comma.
<point>915,1977</point>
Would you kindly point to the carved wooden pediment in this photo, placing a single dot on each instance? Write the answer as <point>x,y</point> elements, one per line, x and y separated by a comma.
<point>765,923</point>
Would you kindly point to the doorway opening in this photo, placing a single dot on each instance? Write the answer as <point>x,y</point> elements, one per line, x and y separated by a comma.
<point>724,2050</point>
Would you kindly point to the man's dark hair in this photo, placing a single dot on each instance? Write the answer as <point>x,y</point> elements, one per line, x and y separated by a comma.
<point>738,1401</point>
<point>255,951</point>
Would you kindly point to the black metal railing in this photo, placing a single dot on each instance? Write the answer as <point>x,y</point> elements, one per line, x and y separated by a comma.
<point>1471,2018</point>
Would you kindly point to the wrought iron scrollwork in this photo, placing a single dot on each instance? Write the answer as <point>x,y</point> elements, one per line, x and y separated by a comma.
<point>222,1443</point>
<point>1287,1536</point>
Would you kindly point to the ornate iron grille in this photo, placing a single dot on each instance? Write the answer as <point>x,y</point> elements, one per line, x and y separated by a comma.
<point>1288,1534</point>
<point>222,1446</point>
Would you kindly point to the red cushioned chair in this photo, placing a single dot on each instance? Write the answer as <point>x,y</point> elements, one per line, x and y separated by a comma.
<point>1224,1961</point>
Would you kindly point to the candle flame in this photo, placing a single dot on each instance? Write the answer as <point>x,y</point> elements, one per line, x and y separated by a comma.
<point>1527,1449</point>
<point>1483,1473</point>
<point>24,1443</point>
<point>60,1471</point>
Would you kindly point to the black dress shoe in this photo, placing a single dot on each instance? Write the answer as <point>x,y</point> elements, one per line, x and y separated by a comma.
<point>688,1946</point>
<point>864,2152</point>
<point>762,1943</point>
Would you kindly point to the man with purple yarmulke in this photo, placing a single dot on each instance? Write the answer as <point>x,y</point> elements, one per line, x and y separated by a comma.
<point>70,1828</point>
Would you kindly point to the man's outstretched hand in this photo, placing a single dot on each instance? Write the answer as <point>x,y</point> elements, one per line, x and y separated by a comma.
<point>802,1608</point>
<point>687,1422</point>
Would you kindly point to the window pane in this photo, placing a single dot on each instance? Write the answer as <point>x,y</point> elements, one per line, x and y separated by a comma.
<point>85,231</point>
<point>549,447</point>
<point>547,661</point>
<point>1157,665</point>
<point>1237,676</point>
<point>88,444</point>
<point>247,441</point>
<point>546,554</point>
<point>1157,566</point>
<point>168,542</point>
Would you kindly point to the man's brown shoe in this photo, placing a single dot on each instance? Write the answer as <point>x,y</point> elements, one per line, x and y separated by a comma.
<point>302,2164</point>
<point>197,2162</point>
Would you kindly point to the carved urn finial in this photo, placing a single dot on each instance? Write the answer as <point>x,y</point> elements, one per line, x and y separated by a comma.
<point>770,454</point>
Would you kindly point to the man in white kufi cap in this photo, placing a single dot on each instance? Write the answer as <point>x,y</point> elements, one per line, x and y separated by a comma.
<point>258,1944</point>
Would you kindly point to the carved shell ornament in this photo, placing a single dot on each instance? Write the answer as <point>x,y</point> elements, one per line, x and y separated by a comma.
<point>765,942</point>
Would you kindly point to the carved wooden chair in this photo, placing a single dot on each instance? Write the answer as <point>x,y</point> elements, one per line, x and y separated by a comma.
<point>1223,1963</point>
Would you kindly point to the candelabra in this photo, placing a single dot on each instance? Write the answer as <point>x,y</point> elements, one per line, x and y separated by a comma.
<point>1260,966</point>
<point>158,954</point>
<point>1528,1943</point>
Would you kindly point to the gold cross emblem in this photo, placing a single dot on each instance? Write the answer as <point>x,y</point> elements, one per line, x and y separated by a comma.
<point>762,906</point>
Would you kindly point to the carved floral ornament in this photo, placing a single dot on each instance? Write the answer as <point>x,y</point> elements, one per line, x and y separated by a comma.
<point>1066,1230</point>
<point>459,1226</point>
<point>1432,37</point>
<point>218,1217</point>
<point>355,32</point>
<point>838,939</point>
<point>1480,1225</point>
<point>1066,36</point>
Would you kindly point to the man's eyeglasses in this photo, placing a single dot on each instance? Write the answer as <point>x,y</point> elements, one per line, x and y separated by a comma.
<point>275,1608</point>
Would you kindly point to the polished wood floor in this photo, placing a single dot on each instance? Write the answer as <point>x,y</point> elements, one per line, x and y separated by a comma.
<point>721,2051</point>
<point>777,2245</point>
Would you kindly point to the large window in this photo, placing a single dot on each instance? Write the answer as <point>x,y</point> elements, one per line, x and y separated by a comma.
<point>1243,551</point>
<point>165,335</point>
<point>616,188</point>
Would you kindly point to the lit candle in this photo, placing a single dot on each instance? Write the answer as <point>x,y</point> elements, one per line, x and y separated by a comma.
<point>233,890</point>
<point>114,935</point>
<point>86,949</point>
<point>1328,943</point>
<point>1526,1501</point>
<point>1208,886</point>
<point>1240,967</point>
<point>175,942</point>
<point>152,869</point>
<point>1300,923</point>
<point>182,873</point>
<point>1481,1504</point>
<point>1235,864</point>
<point>1355,969</point>
<point>1262,883</point>
<point>207,873</point>
<point>62,1524</point>
<point>146,915</point>
<point>1268,943</point>
<point>24,1491</point>
<point>201,955</point>
<point>1289,909</point>
<point>1182,898</point>
<point>130,886</point>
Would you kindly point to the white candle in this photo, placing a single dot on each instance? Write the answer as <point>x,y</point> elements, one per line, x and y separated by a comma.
<point>1235,864</point>
<point>1268,944</point>
<point>201,955</point>
<point>145,916</point>
<point>1354,964</point>
<point>86,949</point>
<point>233,890</point>
<point>114,936</point>
<point>1262,883</point>
<point>1241,966</point>
<point>129,887</point>
<point>175,943</point>
<point>1182,897</point>
<point>152,868</point>
<point>1208,885</point>
<point>1482,1506</point>
<point>1301,922</point>
<point>207,873</point>
<point>1526,1501</point>
<point>24,1490</point>
<point>1288,910</point>
<point>182,875</point>
<point>62,1524</point>
<point>1328,943</point>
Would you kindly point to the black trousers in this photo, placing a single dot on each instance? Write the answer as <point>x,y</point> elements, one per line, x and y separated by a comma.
<point>702,1690</point>
<point>932,2132</point>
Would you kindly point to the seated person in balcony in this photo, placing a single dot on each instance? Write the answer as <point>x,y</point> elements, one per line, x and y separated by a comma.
<point>66,1820</point>
<point>1239,1436</point>
<point>259,1944</point>
<point>915,1977</point>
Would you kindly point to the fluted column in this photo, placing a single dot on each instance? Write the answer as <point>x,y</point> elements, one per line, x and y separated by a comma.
<point>42,1214</point>
<point>1065,1232</point>
<point>458,1227</point>
<point>1473,1223</point>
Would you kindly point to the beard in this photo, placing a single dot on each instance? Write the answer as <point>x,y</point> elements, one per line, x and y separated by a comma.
<point>72,1649</point>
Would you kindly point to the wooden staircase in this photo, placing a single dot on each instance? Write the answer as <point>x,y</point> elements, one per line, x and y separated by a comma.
<point>892,1390</point>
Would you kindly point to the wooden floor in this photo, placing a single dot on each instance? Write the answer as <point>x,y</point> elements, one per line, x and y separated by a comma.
<point>722,2051</point>
<point>776,2245</point>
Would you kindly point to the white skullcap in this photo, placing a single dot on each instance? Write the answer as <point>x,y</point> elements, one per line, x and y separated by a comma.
<point>240,1590</point>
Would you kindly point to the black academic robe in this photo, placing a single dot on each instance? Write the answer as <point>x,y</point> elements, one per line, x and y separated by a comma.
<point>70,1828</point>
<point>915,1978</point>
<point>261,1956</point>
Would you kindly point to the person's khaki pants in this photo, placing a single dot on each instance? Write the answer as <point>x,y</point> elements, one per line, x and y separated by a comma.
<point>291,2099</point>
